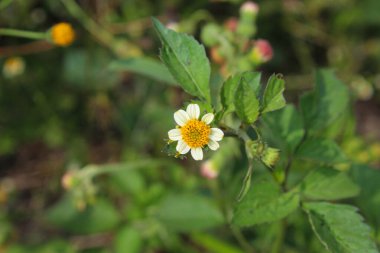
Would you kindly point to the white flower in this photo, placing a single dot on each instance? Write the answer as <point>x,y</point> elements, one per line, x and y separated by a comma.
<point>194,134</point>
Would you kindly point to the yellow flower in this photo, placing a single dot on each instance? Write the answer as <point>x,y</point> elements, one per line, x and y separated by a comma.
<point>194,134</point>
<point>62,34</point>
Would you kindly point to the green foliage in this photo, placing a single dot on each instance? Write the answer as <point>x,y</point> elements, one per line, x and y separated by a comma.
<point>264,203</point>
<point>228,92</point>
<point>340,228</point>
<point>273,98</point>
<point>246,101</point>
<point>128,240</point>
<point>328,184</point>
<point>369,199</point>
<point>188,212</point>
<point>326,103</point>
<point>321,150</point>
<point>95,218</point>
<point>286,127</point>
<point>186,60</point>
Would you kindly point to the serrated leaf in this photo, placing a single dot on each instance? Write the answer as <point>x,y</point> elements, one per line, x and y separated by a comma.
<point>286,127</point>
<point>228,92</point>
<point>145,66</point>
<point>186,60</point>
<point>264,203</point>
<point>340,228</point>
<point>273,98</point>
<point>321,150</point>
<point>328,184</point>
<point>369,199</point>
<point>326,103</point>
<point>246,102</point>
<point>188,212</point>
<point>231,84</point>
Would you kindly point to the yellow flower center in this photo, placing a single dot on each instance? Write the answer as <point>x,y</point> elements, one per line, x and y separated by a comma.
<point>62,34</point>
<point>195,133</point>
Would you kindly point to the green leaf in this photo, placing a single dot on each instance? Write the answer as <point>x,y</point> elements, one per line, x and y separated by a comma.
<point>99,217</point>
<point>228,92</point>
<point>328,184</point>
<point>340,228</point>
<point>264,203</point>
<point>128,240</point>
<point>145,66</point>
<point>321,150</point>
<point>246,102</point>
<point>186,59</point>
<point>369,199</point>
<point>231,85</point>
<point>286,127</point>
<point>185,212</point>
<point>326,103</point>
<point>273,95</point>
<point>214,244</point>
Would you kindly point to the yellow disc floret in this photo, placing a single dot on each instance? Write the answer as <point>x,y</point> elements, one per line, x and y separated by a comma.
<point>195,133</point>
<point>62,34</point>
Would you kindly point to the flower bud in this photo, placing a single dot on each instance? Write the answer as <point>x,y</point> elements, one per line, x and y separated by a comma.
<point>62,34</point>
<point>68,180</point>
<point>173,26</point>
<point>270,156</point>
<point>209,170</point>
<point>249,8</point>
<point>231,24</point>
<point>261,52</point>
<point>13,66</point>
<point>216,56</point>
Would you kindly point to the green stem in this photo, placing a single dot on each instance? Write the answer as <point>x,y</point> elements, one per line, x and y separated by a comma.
<point>23,34</point>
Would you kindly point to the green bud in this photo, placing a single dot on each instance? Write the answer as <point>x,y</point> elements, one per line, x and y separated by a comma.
<point>270,156</point>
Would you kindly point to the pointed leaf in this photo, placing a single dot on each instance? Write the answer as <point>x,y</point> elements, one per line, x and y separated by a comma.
<point>246,102</point>
<point>186,59</point>
<point>273,95</point>
<point>340,228</point>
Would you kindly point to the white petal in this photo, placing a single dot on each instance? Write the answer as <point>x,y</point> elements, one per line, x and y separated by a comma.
<point>181,117</point>
<point>182,147</point>
<point>175,135</point>
<point>216,134</point>
<point>213,145</point>
<point>197,153</point>
<point>208,118</point>
<point>193,111</point>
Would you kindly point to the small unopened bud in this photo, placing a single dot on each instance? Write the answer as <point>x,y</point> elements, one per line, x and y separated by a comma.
<point>13,66</point>
<point>209,170</point>
<point>173,26</point>
<point>261,52</point>
<point>216,56</point>
<point>249,8</point>
<point>68,180</point>
<point>231,24</point>
<point>270,156</point>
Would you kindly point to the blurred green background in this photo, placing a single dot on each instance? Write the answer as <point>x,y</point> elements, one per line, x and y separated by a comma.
<point>105,100</point>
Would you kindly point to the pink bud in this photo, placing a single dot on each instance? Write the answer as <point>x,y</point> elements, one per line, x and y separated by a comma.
<point>264,49</point>
<point>250,7</point>
<point>208,170</point>
<point>231,24</point>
